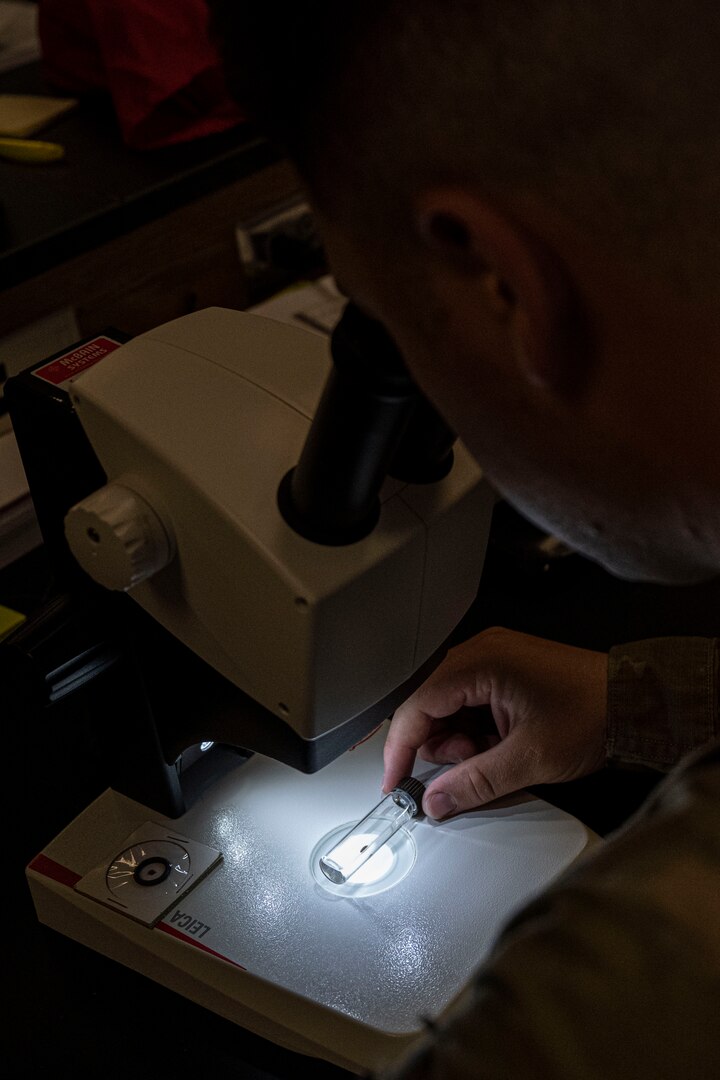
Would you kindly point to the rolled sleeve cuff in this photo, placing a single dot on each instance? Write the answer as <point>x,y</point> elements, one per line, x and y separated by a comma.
<point>662,700</point>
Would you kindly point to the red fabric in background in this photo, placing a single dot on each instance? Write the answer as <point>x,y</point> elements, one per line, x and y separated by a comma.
<point>153,57</point>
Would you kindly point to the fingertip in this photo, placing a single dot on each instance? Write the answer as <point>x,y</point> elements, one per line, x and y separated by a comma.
<point>439,805</point>
<point>391,779</point>
<point>396,764</point>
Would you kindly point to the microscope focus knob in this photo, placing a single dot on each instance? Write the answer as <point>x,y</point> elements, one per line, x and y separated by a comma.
<point>117,537</point>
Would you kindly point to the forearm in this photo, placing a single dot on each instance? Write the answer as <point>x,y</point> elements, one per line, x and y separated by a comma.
<point>613,971</point>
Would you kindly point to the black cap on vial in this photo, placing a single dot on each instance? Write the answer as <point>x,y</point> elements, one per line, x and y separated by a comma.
<point>415,789</point>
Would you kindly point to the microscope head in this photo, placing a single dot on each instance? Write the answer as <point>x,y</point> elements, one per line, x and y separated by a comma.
<point>290,511</point>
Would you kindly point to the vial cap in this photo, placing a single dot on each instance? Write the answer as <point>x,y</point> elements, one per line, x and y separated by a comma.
<point>415,789</point>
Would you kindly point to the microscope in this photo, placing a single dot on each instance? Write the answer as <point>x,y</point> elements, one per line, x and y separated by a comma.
<point>261,542</point>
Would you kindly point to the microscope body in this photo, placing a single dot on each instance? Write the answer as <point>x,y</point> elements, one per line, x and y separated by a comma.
<point>263,541</point>
<point>251,621</point>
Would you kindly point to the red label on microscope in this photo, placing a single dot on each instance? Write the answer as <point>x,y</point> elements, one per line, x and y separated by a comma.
<point>76,360</point>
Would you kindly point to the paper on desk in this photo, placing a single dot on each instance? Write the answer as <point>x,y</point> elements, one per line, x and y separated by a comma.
<point>22,115</point>
<point>19,40</point>
<point>13,482</point>
<point>19,530</point>
<point>315,306</point>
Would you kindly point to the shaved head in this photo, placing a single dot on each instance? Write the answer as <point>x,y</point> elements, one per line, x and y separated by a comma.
<point>525,193</point>
<point>608,111</point>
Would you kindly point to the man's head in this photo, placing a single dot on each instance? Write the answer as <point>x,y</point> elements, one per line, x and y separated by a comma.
<point>525,193</point>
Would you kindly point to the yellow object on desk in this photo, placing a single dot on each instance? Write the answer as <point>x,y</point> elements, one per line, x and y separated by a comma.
<point>33,151</point>
<point>9,620</point>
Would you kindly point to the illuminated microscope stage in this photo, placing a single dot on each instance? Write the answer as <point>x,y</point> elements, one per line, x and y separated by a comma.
<point>227,905</point>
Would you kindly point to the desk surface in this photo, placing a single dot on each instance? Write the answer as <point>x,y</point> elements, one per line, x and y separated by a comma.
<point>101,189</point>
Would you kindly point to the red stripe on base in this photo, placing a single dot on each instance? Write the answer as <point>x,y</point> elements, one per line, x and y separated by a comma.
<point>41,864</point>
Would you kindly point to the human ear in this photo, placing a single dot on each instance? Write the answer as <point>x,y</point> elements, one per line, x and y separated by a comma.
<point>518,276</point>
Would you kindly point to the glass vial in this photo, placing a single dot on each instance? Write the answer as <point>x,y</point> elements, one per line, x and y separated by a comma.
<point>401,805</point>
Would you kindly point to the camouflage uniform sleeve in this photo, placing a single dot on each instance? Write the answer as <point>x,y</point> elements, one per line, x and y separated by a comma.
<point>613,971</point>
<point>662,700</point>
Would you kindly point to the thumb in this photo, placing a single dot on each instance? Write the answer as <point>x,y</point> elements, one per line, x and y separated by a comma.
<point>481,779</point>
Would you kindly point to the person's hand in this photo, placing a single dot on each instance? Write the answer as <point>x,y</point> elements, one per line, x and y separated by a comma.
<point>513,710</point>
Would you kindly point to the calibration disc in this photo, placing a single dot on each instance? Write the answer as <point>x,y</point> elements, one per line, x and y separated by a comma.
<point>157,864</point>
<point>153,868</point>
